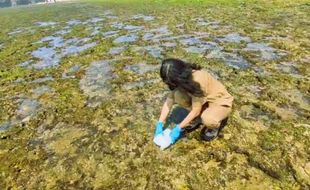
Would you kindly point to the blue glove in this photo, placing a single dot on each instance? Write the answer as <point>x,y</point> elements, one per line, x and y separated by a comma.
<point>159,128</point>
<point>175,134</point>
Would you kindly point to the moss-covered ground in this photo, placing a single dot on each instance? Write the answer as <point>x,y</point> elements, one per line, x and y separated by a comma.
<point>90,124</point>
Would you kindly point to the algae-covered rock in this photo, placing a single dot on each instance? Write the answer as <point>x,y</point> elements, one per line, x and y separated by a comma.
<point>61,138</point>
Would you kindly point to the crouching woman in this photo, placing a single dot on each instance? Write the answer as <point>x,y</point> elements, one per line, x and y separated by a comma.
<point>194,89</point>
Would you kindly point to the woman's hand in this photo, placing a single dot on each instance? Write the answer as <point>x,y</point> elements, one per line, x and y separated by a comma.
<point>175,134</point>
<point>159,128</point>
<point>190,117</point>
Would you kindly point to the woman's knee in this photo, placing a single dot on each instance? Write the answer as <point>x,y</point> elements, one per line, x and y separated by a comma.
<point>210,121</point>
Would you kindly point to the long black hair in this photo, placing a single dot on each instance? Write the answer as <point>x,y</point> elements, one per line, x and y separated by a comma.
<point>178,74</point>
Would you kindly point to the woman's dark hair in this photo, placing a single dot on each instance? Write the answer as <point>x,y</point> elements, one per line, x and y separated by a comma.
<point>178,74</point>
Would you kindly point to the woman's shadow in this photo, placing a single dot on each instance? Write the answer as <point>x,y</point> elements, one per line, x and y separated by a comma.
<point>178,114</point>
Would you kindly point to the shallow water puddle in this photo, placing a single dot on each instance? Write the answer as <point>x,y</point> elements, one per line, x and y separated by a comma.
<point>47,56</point>
<point>169,44</point>
<point>267,53</point>
<point>137,84</point>
<point>110,34</point>
<point>37,92</point>
<point>54,41</point>
<point>230,59</point>
<point>63,31</point>
<point>203,22</point>
<point>190,41</point>
<point>141,68</point>
<point>195,39</point>
<point>203,47</point>
<point>77,41</point>
<point>77,49</point>
<point>111,17</point>
<point>71,71</point>
<point>95,30</point>
<point>95,82</point>
<point>46,63</point>
<point>234,37</point>
<point>289,68</point>
<point>122,26</point>
<point>94,20</point>
<point>235,61</point>
<point>43,79</point>
<point>160,30</point>
<point>44,53</point>
<point>126,38</point>
<point>154,51</point>
<point>7,125</point>
<point>195,49</point>
<point>25,64</point>
<point>156,34</point>
<point>74,22</point>
<point>148,36</point>
<point>117,50</point>
<point>168,37</point>
<point>141,16</point>
<point>58,48</point>
<point>17,31</point>
<point>44,24</point>
<point>26,110</point>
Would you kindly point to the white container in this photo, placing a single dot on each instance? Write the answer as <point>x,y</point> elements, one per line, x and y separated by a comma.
<point>164,141</point>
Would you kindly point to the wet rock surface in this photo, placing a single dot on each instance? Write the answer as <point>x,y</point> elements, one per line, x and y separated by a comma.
<point>266,52</point>
<point>95,81</point>
<point>41,90</point>
<point>80,96</point>
<point>44,24</point>
<point>26,110</point>
<point>126,38</point>
<point>139,84</point>
<point>43,79</point>
<point>142,68</point>
<point>116,50</point>
<point>234,37</point>
<point>70,73</point>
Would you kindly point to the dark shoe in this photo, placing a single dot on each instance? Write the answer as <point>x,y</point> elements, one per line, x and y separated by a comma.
<point>195,124</point>
<point>209,134</point>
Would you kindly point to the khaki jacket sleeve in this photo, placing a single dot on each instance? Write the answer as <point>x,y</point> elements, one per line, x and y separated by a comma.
<point>197,102</point>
